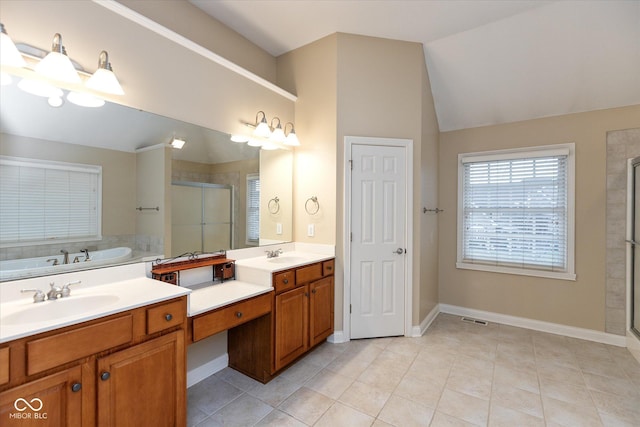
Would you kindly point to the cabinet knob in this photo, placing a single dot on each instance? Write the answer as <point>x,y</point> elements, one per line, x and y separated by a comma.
<point>105,376</point>
<point>306,294</point>
<point>76,387</point>
<point>285,281</point>
<point>329,268</point>
<point>168,317</point>
<point>313,291</point>
<point>238,314</point>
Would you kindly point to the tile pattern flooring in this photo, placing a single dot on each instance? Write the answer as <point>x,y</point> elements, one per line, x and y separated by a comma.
<point>457,374</point>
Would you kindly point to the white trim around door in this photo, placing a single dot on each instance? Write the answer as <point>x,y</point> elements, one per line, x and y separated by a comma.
<point>349,142</point>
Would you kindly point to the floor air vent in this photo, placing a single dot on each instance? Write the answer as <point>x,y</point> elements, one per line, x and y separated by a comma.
<point>476,321</point>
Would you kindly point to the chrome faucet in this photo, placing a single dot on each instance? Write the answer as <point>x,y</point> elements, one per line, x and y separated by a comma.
<point>87,257</point>
<point>274,253</point>
<point>55,292</point>
<point>61,292</point>
<point>55,261</point>
<point>66,256</point>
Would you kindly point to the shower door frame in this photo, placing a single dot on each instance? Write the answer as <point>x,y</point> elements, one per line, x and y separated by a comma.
<point>232,223</point>
<point>632,256</point>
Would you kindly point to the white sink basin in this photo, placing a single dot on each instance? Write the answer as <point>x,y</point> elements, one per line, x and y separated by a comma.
<point>60,308</point>
<point>286,259</point>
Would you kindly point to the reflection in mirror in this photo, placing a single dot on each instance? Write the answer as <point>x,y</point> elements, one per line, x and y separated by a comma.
<point>136,170</point>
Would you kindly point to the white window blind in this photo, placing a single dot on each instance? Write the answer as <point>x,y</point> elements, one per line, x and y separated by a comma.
<point>253,208</point>
<point>45,202</point>
<point>516,211</point>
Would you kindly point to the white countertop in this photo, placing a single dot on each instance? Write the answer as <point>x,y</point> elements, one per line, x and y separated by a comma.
<point>221,294</point>
<point>92,303</point>
<point>108,291</point>
<point>283,262</point>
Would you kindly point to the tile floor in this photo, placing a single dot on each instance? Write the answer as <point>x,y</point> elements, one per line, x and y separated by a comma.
<point>457,374</point>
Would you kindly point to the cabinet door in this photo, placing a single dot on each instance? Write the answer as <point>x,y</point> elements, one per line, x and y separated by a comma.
<point>55,400</point>
<point>320,310</point>
<point>292,327</point>
<point>144,384</point>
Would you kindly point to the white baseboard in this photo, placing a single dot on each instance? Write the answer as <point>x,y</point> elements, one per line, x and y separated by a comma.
<point>418,331</point>
<point>337,337</point>
<point>537,325</point>
<point>198,374</point>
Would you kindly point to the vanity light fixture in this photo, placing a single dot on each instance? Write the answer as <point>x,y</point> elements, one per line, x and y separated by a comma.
<point>291,138</point>
<point>104,80</point>
<point>57,65</point>
<point>177,143</point>
<point>277,134</point>
<point>262,128</point>
<point>239,138</point>
<point>9,55</point>
<point>254,142</point>
<point>83,99</point>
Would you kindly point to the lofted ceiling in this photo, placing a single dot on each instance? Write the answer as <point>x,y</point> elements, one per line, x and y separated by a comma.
<point>489,62</point>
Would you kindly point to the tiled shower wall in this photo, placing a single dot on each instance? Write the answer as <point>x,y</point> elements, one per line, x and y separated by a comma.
<point>621,146</point>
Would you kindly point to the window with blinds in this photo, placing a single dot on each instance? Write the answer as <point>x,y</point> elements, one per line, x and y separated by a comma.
<point>253,208</point>
<point>46,202</point>
<point>516,212</point>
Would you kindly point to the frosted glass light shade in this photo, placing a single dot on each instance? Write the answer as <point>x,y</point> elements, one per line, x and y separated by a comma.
<point>85,100</point>
<point>262,130</point>
<point>239,138</point>
<point>104,80</point>
<point>269,146</point>
<point>292,140</point>
<point>40,88</point>
<point>278,135</point>
<point>9,54</point>
<point>57,66</point>
<point>253,142</point>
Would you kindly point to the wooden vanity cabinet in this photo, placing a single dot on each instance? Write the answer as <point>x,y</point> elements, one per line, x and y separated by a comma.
<point>302,318</point>
<point>56,401</point>
<point>124,369</point>
<point>142,384</point>
<point>303,315</point>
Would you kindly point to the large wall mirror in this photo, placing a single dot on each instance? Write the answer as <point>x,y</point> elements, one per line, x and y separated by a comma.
<point>143,199</point>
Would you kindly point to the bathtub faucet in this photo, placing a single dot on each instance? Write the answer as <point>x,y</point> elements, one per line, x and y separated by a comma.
<point>66,256</point>
<point>87,257</point>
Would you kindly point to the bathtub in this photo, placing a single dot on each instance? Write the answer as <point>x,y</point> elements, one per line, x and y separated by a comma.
<point>31,267</point>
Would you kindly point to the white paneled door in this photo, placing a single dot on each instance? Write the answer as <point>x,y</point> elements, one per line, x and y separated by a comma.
<point>378,241</point>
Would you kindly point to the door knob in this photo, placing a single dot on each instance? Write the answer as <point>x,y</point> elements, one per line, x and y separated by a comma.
<point>399,251</point>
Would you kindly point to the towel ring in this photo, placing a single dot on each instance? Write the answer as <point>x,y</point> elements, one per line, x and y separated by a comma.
<point>312,211</point>
<point>274,205</point>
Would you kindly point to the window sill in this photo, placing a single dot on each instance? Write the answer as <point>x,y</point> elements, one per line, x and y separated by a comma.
<point>517,271</point>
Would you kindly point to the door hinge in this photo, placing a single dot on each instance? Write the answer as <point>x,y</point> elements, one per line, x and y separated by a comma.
<point>351,164</point>
<point>349,308</point>
<point>351,237</point>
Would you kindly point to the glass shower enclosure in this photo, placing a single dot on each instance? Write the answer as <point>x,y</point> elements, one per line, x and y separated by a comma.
<point>201,217</point>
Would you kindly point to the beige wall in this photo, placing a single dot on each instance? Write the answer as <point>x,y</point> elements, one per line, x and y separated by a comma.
<point>579,303</point>
<point>345,89</point>
<point>276,170</point>
<point>207,32</point>
<point>311,73</point>
<point>150,193</point>
<point>118,175</point>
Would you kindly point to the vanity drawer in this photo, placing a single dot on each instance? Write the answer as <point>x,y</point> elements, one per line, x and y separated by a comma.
<point>230,316</point>
<point>166,316</point>
<point>56,350</point>
<point>327,267</point>
<point>309,273</point>
<point>284,281</point>
<point>4,365</point>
